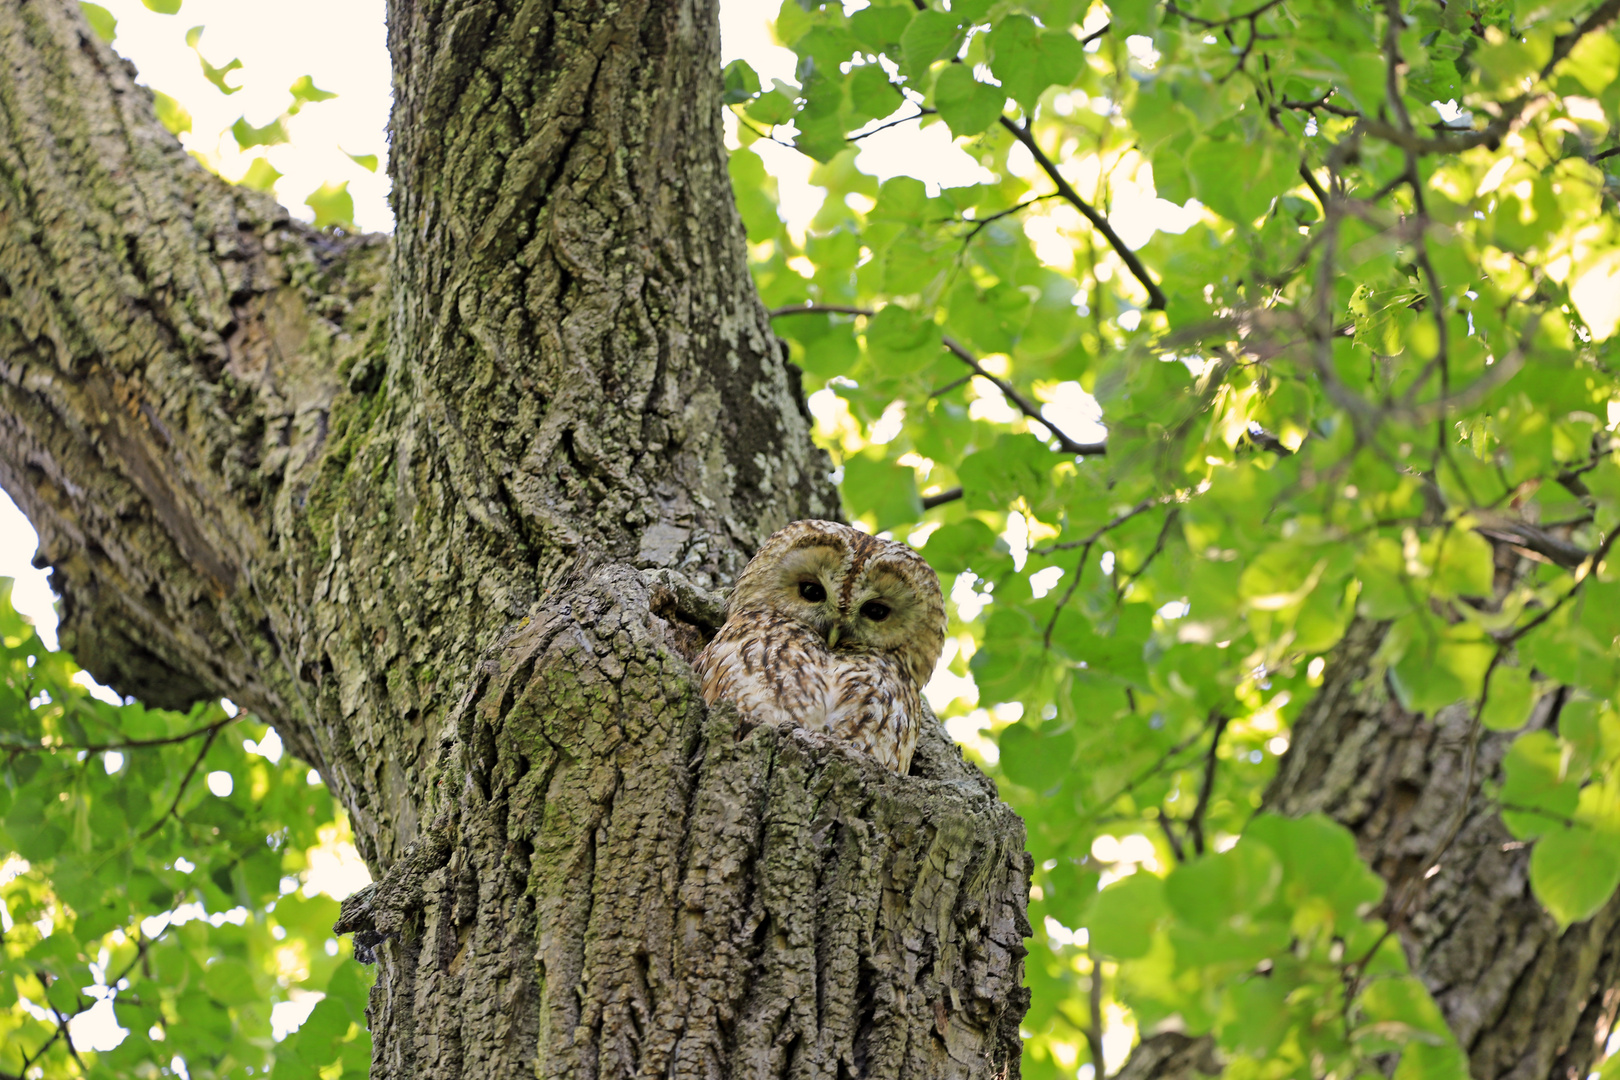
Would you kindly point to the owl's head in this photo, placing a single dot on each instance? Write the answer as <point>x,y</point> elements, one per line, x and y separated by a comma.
<point>856,590</point>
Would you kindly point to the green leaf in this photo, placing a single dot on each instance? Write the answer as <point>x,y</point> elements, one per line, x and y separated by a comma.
<point>162,7</point>
<point>1125,915</point>
<point>215,75</point>
<point>966,104</point>
<point>304,92</point>
<point>739,83</point>
<point>170,113</point>
<point>247,136</point>
<point>930,36</point>
<point>230,982</point>
<point>961,546</point>
<point>101,21</point>
<point>1536,793</point>
<point>901,341</point>
<point>1037,759</point>
<point>880,491</point>
<point>1574,871</point>
<point>333,205</point>
<point>260,176</point>
<point>880,28</point>
<point>1511,696</point>
<point>1237,179</point>
<point>367,162</point>
<point>1208,893</point>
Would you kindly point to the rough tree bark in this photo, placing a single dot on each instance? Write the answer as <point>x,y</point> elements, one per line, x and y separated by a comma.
<point>1525,1000</point>
<point>417,503</point>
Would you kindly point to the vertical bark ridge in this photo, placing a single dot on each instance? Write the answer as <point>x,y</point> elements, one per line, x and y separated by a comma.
<point>708,901</point>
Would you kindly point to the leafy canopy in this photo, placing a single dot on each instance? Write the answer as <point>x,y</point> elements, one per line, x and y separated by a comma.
<point>1363,369</point>
<point>151,863</point>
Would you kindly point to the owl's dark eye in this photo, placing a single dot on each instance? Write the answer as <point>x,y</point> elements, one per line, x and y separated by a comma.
<point>812,591</point>
<point>875,610</point>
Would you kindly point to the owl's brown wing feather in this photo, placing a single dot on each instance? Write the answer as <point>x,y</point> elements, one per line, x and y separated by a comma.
<point>876,708</point>
<point>774,670</point>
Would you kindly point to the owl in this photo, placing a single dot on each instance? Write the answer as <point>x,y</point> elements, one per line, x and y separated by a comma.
<point>833,630</point>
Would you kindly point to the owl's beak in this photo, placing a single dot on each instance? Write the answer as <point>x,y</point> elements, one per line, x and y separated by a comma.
<point>832,636</point>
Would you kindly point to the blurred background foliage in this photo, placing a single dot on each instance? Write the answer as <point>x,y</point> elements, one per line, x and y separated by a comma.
<point>160,873</point>
<point>1261,317</point>
<point>1229,322</point>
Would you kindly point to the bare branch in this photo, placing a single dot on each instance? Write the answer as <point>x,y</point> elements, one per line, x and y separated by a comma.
<point>962,353</point>
<point>1206,787</point>
<point>1156,298</point>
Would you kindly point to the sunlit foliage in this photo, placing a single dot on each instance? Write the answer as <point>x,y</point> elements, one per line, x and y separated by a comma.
<point>1341,280</point>
<point>153,870</point>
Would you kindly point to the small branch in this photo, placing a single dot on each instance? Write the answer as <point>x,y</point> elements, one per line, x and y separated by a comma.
<point>1213,24</point>
<point>1151,771</point>
<point>131,744</point>
<point>1512,111</point>
<point>1068,594</point>
<point>979,223</point>
<point>1206,787</point>
<point>949,495</point>
<point>67,1036</point>
<point>1156,297</point>
<point>1158,548</point>
<point>918,115</point>
<point>1140,508</point>
<point>1583,573</point>
<point>1094,1027</point>
<point>184,782</point>
<point>960,351</point>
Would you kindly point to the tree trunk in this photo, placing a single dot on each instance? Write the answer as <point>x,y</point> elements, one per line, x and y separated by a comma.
<point>1525,1000</point>
<point>404,501</point>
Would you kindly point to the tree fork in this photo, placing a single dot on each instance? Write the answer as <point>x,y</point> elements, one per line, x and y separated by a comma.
<point>392,496</point>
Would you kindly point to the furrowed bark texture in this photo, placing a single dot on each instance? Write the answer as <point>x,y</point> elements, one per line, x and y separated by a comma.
<point>398,498</point>
<point>708,900</point>
<point>1525,1000</point>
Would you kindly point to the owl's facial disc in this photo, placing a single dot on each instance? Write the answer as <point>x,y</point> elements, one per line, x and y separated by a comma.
<point>893,609</point>
<point>804,585</point>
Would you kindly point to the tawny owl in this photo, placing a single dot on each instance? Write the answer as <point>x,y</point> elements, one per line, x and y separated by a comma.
<point>834,630</point>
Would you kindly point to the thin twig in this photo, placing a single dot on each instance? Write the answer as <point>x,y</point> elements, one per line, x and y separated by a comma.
<point>1094,1029</point>
<point>961,352</point>
<point>1063,602</point>
<point>979,223</point>
<point>131,744</point>
<point>1584,572</point>
<point>1140,508</point>
<point>184,782</point>
<point>918,115</point>
<point>1156,297</point>
<point>1147,774</point>
<point>949,495</point>
<point>1206,786</point>
<point>1214,24</point>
